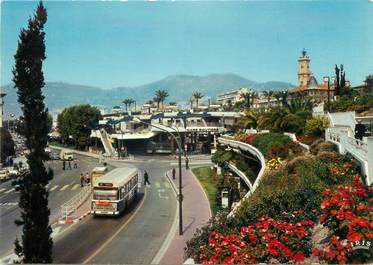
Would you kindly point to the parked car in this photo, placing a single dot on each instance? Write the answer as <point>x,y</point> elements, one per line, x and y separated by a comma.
<point>54,156</point>
<point>16,185</point>
<point>4,175</point>
<point>66,155</point>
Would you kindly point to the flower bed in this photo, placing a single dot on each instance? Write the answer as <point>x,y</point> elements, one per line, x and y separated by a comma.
<point>268,227</point>
<point>267,240</point>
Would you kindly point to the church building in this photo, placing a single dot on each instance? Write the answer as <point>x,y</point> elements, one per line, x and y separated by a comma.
<point>307,82</point>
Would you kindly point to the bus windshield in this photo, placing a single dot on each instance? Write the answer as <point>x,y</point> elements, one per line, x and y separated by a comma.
<point>110,195</point>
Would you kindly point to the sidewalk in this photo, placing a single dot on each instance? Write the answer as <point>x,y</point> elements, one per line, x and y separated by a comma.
<point>196,213</point>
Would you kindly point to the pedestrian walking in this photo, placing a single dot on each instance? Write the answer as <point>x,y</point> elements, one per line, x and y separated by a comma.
<point>75,163</point>
<point>87,179</point>
<point>81,179</point>
<point>69,165</point>
<point>173,173</point>
<point>359,130</point>
<point>146,178</point>
<point>63,165</point>
<point>186,163</point>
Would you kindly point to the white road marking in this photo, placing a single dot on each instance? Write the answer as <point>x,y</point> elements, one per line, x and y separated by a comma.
<point>8,203</point>
<point>64,187</point>
<point>160,191</point>
<point>75,186</point>
<point>55,187</point>
<point>157,184</point>
<point>1,190</point>
<point>56,231</point>
<point>9,190</point>
<point>9,259</point>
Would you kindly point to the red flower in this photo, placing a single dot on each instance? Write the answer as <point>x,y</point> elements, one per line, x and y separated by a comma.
<point>353,236</point>
<point>298,257</point>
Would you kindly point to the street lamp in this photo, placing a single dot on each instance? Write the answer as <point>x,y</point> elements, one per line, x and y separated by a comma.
<point>327,80</point>
<point>180,196</point>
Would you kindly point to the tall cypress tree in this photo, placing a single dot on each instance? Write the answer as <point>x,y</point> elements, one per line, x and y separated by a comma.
<point>36,244</point>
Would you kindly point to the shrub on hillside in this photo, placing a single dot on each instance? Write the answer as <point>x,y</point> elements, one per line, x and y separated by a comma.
<point>264,142</point>
<point>316,126</point>
<point>321,147</point>
<point>222,156</point>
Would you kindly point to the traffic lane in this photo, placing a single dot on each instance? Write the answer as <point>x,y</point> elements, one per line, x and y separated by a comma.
<point>140,240</point>
<point>9,213</point>
<point>88,235</point>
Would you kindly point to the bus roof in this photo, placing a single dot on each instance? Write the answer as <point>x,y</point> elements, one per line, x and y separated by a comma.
<point>117,177</point>
<point>99,169</point>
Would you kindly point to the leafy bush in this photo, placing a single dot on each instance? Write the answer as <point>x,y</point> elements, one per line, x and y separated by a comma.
<point>222,156</point>
<point>316,126</point>
<point>264,142</point>
<point>321,147</point>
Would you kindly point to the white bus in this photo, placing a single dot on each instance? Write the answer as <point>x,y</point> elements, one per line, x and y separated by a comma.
<point>114,191</point>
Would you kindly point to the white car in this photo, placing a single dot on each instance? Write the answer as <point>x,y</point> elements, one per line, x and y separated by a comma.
<point>4,174</point>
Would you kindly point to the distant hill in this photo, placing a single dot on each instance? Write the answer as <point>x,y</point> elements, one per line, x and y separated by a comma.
<point>180,87</point>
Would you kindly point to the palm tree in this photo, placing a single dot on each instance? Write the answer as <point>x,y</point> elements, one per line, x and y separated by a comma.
<point>130,102</point>
<point>127,102</point>
<point>268,94</point>
<point>161,95</point>
<point>246,97</point>
<point>191,100</point>
<point>197,96</point>
<point>254,95</point>
<point>157,100</point>
<point>250,120</point>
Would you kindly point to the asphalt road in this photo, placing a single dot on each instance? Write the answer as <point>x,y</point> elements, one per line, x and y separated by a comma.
<point>132,238</point>
<point>64,186</point>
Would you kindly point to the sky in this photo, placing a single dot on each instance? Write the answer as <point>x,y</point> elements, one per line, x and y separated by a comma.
<point>114,43</point>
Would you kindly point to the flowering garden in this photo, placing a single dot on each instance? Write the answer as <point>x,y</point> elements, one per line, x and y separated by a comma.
<point>313,209</point>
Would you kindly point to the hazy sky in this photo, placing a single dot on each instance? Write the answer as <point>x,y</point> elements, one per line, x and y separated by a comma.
<point>109,44</point>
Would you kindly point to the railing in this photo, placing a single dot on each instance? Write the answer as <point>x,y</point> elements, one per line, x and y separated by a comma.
<point>105,142</point>
<point>293,137</point>
<point>70,206</point>
<point>341,136</point>
<point>228,140</point>
<point>241,175</point>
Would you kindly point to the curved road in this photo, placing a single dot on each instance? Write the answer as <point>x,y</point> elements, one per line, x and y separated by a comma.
<point>135,237</point>
<point>65,185</point>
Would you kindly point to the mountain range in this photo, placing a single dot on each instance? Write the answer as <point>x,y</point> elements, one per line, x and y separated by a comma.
<point>180,88</point>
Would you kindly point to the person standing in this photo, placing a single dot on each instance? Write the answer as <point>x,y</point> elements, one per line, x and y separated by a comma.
<point>146,178</point>
<point>359,130</point>
<point>75,163</point>
<point>63,165</point>
<point>186,163</point>
<point>173,173</point>
<point>69,165</point>
<point>81,179</point>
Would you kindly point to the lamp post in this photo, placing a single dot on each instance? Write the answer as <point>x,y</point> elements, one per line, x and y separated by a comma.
<point>327,80</point>
<point>180,196</point>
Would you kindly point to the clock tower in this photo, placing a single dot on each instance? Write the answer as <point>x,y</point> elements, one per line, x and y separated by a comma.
<point>304,72</point>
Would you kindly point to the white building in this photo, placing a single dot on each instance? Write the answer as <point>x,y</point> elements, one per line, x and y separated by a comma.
<point>232,97</point>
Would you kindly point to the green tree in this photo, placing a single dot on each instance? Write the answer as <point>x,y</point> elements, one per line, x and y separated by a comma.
<point>36,243</point>
<point>7,144</point>
<point>49,122</point>
<point>268,94</point>
<point>127,103</point>
<point>249,120</point>
<point>78,121</point>
<point>161,96</point>
<point>317,125</point>
<point>246,98</point>
<point>197,96</point>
